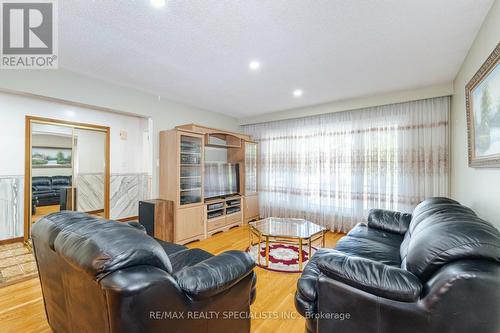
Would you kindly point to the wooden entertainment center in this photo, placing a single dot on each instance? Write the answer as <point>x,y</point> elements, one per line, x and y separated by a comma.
<point>184,152</point>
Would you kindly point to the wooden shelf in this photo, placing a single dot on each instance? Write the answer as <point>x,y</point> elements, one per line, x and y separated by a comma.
<point>190,153</point>
<point>190,189</point>
<point>215,209</point>
<point>221,146</point>
<point>225,140</point>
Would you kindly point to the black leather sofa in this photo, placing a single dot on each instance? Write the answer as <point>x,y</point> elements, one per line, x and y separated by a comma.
<point>436,270</point>
<point>105,276</point>
<point>46,191</point>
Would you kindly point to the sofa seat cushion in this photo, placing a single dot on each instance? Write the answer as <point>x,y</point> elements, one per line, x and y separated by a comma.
<point>188,258</point>
<point>46,194</point>
<point>305,298</point>
<point>369,249</point>
<point>170,248</point>
<point>361,230</point>
<point>42,188</point>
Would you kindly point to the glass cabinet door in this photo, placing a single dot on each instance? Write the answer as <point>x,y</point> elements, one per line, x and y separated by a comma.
<point>190,169</point>
<point>250,168</point>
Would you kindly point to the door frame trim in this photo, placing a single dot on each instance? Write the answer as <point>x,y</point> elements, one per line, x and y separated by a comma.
<point>27,163</point>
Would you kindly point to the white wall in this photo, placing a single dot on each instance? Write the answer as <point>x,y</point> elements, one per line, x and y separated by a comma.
<point>444,89</point>
<point>13,110</point>
<point>476,188</point>
<point>50,140</point>
<point>90,152</point>
<point>73,87</point>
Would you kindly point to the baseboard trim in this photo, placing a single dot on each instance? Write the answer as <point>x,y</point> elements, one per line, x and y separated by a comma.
<point>127,219</point>
<point>11,240</point>
<point>95,211</point>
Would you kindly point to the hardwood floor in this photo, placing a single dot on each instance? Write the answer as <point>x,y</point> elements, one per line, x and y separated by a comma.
<point>21,304</point>
<point>44,210</point>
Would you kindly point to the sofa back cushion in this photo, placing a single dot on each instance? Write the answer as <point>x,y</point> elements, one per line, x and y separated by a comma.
<point>426,208</point>
<point>98,247</point>
<point>441,232</point>
<point>60,181</point>
<point>41,183</point>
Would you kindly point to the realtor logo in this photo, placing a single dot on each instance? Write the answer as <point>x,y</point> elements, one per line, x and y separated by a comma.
<point>29,34</point>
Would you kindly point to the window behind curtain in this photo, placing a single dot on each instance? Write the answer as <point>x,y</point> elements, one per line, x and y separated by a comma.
<point>333,168</point>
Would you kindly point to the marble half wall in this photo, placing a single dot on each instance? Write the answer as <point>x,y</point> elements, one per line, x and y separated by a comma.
<point>126,191</point>
<point>90,194</point>
<point>11,207</point>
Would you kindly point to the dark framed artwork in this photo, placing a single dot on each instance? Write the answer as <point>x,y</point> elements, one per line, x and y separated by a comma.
<point>482,97</point>
<point>51,157</point>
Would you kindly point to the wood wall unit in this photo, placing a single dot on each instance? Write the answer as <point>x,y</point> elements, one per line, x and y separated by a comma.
<point>182,151</point>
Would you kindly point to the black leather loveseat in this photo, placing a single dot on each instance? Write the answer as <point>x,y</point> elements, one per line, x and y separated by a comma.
<point>436,270</point>
<point>47,190</point>
<point>105,276</point>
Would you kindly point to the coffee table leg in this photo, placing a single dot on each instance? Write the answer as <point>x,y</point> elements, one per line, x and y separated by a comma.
<point>258,250</point>
<point>310,251</point>
<point>323,239</point>
<point>267,251</point>
<point>300,254</point>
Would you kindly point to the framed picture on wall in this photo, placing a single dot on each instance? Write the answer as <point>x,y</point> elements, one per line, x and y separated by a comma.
<point>482,97</point>
<point>50,157</point>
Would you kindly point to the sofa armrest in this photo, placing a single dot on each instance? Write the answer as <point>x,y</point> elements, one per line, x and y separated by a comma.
<point>388,220</point>
<point>373,277</point>
<point>215,275</point>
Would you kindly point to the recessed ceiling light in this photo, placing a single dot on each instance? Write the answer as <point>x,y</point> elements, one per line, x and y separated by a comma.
<point>297,93</point>
<point>254,65</point>
<point>158,3</point>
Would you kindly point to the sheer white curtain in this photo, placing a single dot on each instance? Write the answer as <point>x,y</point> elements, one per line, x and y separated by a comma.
<point>333,168</point>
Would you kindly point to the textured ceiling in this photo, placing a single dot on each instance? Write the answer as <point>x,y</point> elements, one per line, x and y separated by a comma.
<point>197,51</point>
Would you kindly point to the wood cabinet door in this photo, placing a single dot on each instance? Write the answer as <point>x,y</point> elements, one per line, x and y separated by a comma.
<point>251,206</point>
<point>189,223</point>
<point>191,162</point>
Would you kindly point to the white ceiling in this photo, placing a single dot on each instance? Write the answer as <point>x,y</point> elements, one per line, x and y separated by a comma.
<point>197,51</point>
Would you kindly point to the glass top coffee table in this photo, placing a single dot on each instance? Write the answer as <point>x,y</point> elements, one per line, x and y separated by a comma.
<point>286,230</point>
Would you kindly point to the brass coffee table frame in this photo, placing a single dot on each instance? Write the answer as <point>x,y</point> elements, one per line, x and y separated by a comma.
<point>300,241</point>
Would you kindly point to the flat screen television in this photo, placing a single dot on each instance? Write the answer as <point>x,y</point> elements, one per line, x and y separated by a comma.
<point>221,179</point>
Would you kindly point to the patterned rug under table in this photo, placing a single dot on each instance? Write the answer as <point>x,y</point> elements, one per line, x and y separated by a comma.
<point>282,257</point>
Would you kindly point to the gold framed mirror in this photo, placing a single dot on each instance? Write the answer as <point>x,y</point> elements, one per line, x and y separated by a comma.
<point>67,167</point>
